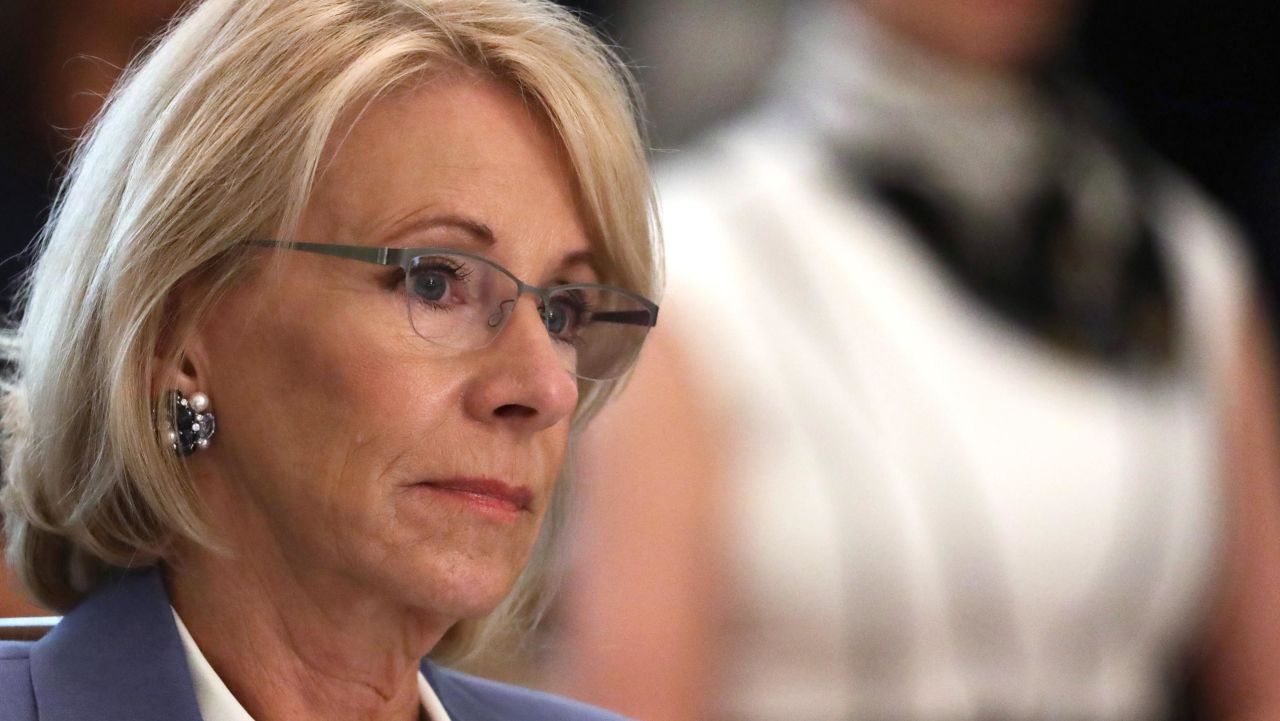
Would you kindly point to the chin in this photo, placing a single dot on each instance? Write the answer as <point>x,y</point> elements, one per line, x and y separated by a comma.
<point>468,595</point>
<point>451,585</point>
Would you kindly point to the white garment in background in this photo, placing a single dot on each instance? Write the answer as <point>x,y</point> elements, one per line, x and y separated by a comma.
<point>936,516</point>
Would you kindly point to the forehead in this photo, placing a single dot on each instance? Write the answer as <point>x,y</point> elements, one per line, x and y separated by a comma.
<point>461,146</point>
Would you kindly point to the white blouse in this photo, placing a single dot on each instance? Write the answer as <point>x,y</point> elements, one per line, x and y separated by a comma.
<point>218,704</point>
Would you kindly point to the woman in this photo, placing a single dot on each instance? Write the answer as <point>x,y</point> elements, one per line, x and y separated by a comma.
<point>972,416</point>
<point>281,413</point>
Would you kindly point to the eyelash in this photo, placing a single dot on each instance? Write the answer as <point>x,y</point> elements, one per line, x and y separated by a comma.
<point>457,270</point>
<point>398,279</point>
<point>579,301</point>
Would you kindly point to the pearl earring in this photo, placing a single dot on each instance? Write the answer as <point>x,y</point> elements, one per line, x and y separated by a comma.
<point>191,425</point>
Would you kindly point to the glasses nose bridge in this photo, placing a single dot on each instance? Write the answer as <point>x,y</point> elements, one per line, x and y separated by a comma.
<point>507,306</point>
<point>543,295</point>
<point>507,309</point>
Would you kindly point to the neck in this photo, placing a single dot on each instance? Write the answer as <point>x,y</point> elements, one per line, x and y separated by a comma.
<point>292,645</point>
<point>881,100</point>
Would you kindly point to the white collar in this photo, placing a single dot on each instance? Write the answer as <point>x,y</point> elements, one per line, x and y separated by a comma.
<point>216,702</point>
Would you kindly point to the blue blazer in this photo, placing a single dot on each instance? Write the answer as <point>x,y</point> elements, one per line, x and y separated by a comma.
<point>117,657</point>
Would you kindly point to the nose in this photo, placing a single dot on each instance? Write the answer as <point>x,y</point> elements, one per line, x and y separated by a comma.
<point>523,383</point>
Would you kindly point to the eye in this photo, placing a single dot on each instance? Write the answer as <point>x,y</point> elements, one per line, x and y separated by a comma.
<point>565,315</point>
<point>430,285</point>
<point>439,281</point>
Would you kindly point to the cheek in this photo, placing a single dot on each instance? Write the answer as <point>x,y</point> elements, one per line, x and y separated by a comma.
<point>325,417</point>
<point>313,408</point>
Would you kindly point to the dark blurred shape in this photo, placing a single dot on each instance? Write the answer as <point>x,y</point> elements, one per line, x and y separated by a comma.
<point>599,13</point>
<point>25,164</point>
<point>60,59</point>
<point>1199,81</point>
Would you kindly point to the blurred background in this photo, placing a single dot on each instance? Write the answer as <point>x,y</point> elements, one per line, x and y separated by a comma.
<point>1195,78</point>
<point>1190,82</point>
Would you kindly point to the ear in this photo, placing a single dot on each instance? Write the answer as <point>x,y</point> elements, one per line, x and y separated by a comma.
<point>183,367</point>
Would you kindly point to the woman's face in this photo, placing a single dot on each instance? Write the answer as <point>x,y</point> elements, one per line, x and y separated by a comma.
<point>350,448</point>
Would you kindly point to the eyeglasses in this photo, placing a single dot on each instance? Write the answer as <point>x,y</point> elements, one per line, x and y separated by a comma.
<point>462,301</point>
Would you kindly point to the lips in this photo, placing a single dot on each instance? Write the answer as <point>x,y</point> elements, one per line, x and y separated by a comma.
<point>486,491</point>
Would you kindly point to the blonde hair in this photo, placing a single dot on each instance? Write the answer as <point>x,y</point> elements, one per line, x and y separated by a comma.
<point>215,137</point>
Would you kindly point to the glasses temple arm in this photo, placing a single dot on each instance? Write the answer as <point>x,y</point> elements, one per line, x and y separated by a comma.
<point>627,317</point>
<point>381,256</point>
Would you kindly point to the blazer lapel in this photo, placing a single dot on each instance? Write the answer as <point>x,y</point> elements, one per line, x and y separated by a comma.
<point>115,657</point>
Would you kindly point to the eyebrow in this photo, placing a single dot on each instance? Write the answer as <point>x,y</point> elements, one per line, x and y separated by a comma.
<point>580,257</point>
<point>583,258</point>
<point>477,230</point>
<point>485,236</point>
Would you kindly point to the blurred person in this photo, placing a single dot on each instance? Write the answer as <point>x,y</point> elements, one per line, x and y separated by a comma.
<point>330,286</point>
<point>961,408</point>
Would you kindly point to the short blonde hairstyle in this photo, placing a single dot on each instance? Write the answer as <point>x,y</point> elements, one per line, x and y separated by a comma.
<point>215,137</point>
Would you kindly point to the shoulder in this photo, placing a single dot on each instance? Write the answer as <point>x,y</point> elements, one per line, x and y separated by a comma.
<point>17,699</point>
<point>1210,266</point>
<point>14,651</point>
<point>1200,235</point>
<point>471,697</point>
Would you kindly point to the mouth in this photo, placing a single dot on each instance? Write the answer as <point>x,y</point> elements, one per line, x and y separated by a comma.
<point>485,494</point>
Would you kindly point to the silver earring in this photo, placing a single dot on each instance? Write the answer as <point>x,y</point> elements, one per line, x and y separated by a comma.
<point>191,425</point>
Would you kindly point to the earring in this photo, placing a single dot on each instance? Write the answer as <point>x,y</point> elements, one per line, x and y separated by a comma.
<point>191,426</point>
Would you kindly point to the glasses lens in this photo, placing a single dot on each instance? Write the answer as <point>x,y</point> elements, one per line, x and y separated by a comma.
<point>461,302</point>
<point>457,301</point>
<point>601,328</point>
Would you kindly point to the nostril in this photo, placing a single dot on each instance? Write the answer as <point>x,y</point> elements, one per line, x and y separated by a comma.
<point>515,410</point>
